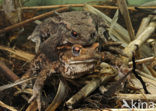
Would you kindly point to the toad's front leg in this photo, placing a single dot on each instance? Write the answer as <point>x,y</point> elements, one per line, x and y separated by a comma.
<point>47,70</point>
<point>37,88</point>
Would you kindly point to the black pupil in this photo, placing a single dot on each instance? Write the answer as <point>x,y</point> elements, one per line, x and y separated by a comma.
<point>74,34</point>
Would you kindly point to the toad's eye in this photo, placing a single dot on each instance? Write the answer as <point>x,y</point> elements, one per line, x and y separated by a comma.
<point>76,50</point>
<point>74,34</point>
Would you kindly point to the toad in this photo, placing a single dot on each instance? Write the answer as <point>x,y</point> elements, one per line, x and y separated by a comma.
<point>75,27</point>
<point>73,63</point>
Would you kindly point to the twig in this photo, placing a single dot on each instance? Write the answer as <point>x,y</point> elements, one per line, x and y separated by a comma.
<point>7,107</point>
<point>32,106</point>
<point>21,24</point>
<point>27,91</point>
<point>140,61</point>
<point>150,82</point>
<point>146,75</point>
<point>124,11</point>
<point>51,6</point>
<point>60,96</point>
<point>152,71</point>
<point>151,97</point>
<point>80,5</point>
<point>144,23</point>
<point>154,47</point>
<point>91,86</point>
<point>116,86</point>
<point>86,90</point>
<point>26,56</point>
<point>145,50</point>
<point>15,84</point>
<point>7,72</point>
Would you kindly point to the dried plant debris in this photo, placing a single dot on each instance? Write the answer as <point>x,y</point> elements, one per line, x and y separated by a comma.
<point>81,59</point>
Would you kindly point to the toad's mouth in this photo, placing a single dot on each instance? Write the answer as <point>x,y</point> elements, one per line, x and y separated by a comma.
<point>82,61</point>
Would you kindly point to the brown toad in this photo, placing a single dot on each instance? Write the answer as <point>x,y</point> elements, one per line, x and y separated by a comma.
<point>75,27</point>
<point>73,63</point>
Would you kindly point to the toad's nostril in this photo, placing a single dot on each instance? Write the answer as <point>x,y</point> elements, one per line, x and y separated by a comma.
<point>76,51</point>
<point>92,35</point>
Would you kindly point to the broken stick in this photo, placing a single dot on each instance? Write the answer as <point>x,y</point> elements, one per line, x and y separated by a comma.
<point>21,24</point>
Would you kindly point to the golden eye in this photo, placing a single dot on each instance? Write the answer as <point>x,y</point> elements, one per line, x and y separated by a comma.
<point>74,34</point>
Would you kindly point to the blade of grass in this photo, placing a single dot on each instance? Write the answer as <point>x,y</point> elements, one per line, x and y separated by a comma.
<point>124,11</point>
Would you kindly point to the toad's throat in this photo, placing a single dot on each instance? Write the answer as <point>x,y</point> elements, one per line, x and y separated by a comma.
<point>76,69</point>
